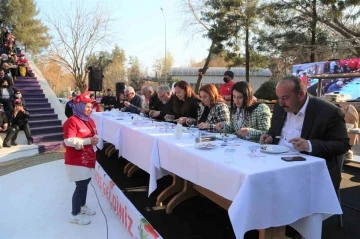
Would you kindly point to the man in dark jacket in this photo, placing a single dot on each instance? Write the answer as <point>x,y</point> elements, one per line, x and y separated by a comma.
<point>133,102</point>
<point>311,125</point>
<point>5,128</point>
<point>167,103</point>
<point>108,101</point>
<point>69,105</point>
<point>152,97</point>
<point>20,122</point>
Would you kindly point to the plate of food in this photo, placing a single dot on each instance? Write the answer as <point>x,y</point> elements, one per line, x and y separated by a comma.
<point>273,149</point>
<point>205,145</point>
<point>225,136</point>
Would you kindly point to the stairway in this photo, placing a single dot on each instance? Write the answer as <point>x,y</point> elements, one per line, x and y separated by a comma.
<point>45,126</point>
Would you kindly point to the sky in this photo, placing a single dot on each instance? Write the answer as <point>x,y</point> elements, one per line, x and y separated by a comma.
<point>140,30</point>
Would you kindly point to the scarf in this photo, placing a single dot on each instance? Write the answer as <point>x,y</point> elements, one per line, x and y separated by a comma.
<point>78,111</point>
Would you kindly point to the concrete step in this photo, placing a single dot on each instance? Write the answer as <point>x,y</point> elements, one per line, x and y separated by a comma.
<point>37,117</point>
<point>39,139</point>
<point>23,85</point>
<point>28,88</point>
<point>37,105</point>
<point>32,91</point>
<point>36,100</point>
<point>30,95</point>
<point>50,146</point>
<point>25,80</point>
<point>36,111</point>
<point>41,123</point>
<point>46,130</point>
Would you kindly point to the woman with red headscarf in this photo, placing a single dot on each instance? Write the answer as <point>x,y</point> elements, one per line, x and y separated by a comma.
<point>80,138</point>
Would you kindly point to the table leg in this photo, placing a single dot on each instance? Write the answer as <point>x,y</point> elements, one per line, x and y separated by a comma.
<point>127,167</point>
<point>187,192</point>
<point>176,186</point>
<point>222,202</point>
<point>132,170</point>
<point>111,151</point>
<point>273,233</point>
<point>111,146</point>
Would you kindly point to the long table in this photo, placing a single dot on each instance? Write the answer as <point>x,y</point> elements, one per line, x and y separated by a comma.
<point>265,191</point>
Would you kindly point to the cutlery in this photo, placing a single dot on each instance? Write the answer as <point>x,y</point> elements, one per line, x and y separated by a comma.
<point>281,137</point>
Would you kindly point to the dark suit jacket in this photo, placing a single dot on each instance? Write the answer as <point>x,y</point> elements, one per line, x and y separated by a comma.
<point>136,104</point>
<point>167,108</point>
<point>324,127</point>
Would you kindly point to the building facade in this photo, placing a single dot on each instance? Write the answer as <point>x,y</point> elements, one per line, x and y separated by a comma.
<point>215,75</point>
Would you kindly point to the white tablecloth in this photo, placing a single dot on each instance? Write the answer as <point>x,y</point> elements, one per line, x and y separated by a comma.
<point>265,191</point>
<point>136,143</point>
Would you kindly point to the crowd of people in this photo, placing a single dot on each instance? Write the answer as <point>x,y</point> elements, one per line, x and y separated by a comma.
<point>305,123</point>
<point>13,113</point>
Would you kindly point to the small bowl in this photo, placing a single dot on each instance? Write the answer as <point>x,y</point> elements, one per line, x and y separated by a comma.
<point>349,126</point>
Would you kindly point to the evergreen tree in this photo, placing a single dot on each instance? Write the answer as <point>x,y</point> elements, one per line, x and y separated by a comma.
<point>19,16</point>
<point>306,28</point>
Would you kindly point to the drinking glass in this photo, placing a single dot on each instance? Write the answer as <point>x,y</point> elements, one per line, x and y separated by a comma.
<point>193,132</point>
<point>253,151</point>
<point>229,155</point>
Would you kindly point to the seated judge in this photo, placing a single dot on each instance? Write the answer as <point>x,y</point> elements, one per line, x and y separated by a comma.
<point>249,120</point>
<point>186,102</point>
<point>311,125</point>
<point>120,98</point>
<point>166,98</point>
<point>133,102</point>
<point>211,110</point>
<point>152,97</point>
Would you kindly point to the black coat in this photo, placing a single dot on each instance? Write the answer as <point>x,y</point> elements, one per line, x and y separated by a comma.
<point>68,108</point>
<point>324,127</point>
<point>20,118</point>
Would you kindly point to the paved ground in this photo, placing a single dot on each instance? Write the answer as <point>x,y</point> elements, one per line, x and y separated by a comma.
<point>350,186</point>
<point>20,163</point>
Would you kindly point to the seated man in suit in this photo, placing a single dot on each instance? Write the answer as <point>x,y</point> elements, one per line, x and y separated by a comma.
<point>312,125</point>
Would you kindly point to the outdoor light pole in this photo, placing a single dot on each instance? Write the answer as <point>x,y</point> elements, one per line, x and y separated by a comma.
<point>165,42</point>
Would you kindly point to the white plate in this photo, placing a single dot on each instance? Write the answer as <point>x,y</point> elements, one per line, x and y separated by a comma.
<point>225,136</point>
<point>273,149</point>
<point>355,130</point>
<point>205,145</point>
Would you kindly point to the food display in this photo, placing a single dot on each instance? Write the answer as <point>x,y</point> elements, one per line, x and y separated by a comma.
<point>206,145</point>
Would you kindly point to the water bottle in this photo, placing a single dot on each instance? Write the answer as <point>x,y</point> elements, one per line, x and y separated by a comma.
<point>178,131</point>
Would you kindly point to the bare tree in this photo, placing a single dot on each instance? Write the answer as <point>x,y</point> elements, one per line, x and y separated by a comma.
<point>114,73</point>
<point>77,31</point>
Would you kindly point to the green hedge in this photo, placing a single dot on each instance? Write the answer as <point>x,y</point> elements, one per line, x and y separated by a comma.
<point>267,91</point>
